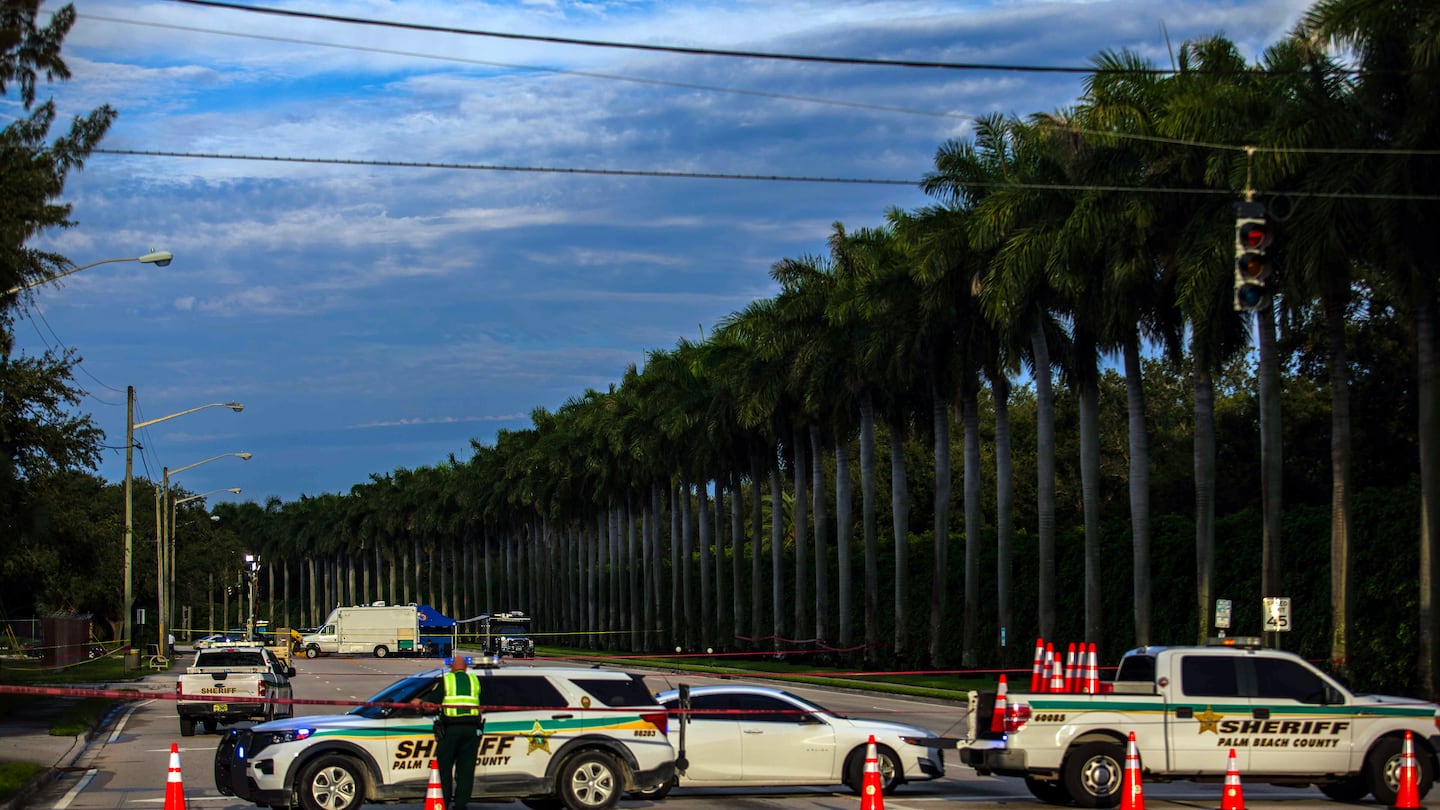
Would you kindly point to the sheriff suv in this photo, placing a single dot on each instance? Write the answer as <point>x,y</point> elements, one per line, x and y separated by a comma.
<point>553,737</point>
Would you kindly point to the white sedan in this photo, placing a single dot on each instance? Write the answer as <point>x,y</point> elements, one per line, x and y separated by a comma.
<point>758,736</point>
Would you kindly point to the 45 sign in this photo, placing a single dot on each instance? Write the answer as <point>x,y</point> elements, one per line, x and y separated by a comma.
<point>1277,614</point>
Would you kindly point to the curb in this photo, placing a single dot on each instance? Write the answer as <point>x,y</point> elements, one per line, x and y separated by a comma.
<point>80,745</point>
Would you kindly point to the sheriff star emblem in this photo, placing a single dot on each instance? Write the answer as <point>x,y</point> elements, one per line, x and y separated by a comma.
<point>1209,721</point>
<point>539,739</point>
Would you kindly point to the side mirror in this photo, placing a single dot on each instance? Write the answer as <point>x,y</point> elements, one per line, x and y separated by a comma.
<point>289,672</point>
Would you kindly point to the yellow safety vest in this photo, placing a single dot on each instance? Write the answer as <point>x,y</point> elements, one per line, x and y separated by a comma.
<point>462,695</point>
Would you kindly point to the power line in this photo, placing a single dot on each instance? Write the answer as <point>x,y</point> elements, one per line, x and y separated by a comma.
<point>678,49</point>
<point>541,69</point>
<point>745,177</point>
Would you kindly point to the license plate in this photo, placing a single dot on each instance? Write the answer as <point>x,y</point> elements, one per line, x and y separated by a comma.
<point>218,708</point>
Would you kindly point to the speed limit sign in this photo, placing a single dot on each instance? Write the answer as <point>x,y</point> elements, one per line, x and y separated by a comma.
<point>1277,614</point>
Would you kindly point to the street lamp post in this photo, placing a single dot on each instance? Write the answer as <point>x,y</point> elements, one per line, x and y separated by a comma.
<point>130,426</point>
<point>170,551</point>
<point>159,258</point>
<point>160,584</point>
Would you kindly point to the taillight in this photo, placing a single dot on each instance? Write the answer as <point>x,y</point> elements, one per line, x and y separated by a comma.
<point>260,689</point>
<point>1016,716</point>
<point>659,720</point>
<point>179,690</point>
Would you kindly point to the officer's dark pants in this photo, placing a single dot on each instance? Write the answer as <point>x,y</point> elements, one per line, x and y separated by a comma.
<point>455,755</point>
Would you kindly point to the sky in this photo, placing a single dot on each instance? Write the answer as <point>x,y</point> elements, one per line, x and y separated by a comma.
<point>375,317</point>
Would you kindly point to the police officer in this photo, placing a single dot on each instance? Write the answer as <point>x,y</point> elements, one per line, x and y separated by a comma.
<point>457,731</point>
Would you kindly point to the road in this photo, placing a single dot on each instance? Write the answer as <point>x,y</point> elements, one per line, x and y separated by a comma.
<point>126,767</point>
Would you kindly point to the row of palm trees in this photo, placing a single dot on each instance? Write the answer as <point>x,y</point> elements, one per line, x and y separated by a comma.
<point>1053,242</point>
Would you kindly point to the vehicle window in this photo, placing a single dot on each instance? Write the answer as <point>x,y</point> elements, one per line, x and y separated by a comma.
<point>708,707</point>
<point>1277,678</point>
<point>615,692</point>
<point>765,709</point>
<point>521,692</point>
<point>1137,668</point>
<point>229,659</point>
<point>398,692</point>
<point>1209,676</point>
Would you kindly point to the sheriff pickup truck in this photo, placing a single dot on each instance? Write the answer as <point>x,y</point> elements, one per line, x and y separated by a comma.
<point>1288,722</point>
<point>232,683</point>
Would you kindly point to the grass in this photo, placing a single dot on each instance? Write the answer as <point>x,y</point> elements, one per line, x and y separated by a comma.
<point>80,717</point>
<point>927,685</point>
<point>106,669</point>
<point>15,775</point>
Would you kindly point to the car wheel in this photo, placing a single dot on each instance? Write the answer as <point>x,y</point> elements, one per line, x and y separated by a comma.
<point>1093,773</point>
<point>656,793</point>
<point>312,651</point>
<point>892,773</point>
<point>210,726</point>
<point>331,783</point>
<point>1050,792</point>
<point>1382,769</point>
<point>187,727</point>
<point>1351,789</point>
<point>382,651</point>
<point>590,781</point>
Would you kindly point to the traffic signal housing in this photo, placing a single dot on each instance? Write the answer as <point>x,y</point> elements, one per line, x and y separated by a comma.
<point>1254,265</point>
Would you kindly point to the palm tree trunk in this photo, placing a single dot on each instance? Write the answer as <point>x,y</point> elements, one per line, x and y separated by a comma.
<point>757,527</point>
<point>687,553</point>
<point>844,539</point>
<point>802,566</point>
<point>900,521</point>
<point>1271,470</point>
<point>1139,489</point>
<point>634,564</point>
<point>970,413</point>
<point>656,624</point>
<point>1429,439</point>
<point>1204,490</point>
<point>1090,492</point>
<point>940,563</point>
<point>867,522</point>
<point>314,594</point>
<point>675,570</point>
<point>737,566</point>
<point>707,603</point>
<point>721,613</point>
<point>822,528</point>
<point>1044,480</point>
<point>1335,306</point>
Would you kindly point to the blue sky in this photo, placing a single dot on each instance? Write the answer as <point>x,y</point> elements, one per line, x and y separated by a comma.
<point>379,317</point>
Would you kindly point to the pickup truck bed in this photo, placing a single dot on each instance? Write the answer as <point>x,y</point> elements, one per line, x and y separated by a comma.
<point>228,684</point>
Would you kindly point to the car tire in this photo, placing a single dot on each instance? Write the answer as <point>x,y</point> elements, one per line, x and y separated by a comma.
<point>1382,769</point>
<point>331,782</point>
<point>210,726</point>
<point>312,651</point>
<point>382,651</point>
<point>1351,789</point>
<point>1093,773</point>
<point>187,727</point>
<point>657,793</point>
<point>590,780</point>
<point>892,773</point>
<point>1048,791</point>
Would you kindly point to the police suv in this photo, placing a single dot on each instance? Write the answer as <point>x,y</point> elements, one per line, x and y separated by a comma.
<point>553,737</point>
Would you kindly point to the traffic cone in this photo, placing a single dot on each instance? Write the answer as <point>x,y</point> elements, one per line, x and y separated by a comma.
<point>1037,669</point>
<point>1046,667</point>
<point>1057,672</point>
<point>434,794</point>
<point>872,796</point>
<point>1132,793</point>
<point>1070,668</point>
<point>1408,796</point>
<point>997,717</point>
<point>1092,671</point>
<point>1234,796</point>
<point>174,787</point>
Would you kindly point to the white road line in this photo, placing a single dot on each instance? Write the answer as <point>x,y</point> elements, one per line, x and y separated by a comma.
<point>120,726</point>
<point>76,791</point>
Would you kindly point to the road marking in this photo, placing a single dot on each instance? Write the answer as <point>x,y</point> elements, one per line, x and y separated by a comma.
<point>120,726</point>
<point>75,791</point>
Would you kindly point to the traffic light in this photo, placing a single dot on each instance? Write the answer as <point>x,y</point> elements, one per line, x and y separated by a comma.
<point>1253,266</point>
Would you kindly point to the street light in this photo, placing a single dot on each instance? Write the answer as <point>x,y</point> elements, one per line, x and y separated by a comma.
<point>160,531</point>
<point>170,553</point>
<point>130,427</point>
<point>159,258</point>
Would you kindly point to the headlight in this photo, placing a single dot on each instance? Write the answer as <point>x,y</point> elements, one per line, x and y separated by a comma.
<point>261,740</point>
<point>925,741</point>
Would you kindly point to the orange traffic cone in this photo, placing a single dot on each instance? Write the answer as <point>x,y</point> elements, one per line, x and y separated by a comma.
<point>1092,671</point>
<point>1234,796</point>
<point>1038,668</point>
<point>1408,796</point>
<point>1057,671</point>
<point>872,797</point>
<point>1047,667</point>
<point>1132,794</point>
<point>174,787</point>
<point>1070,669</point>
<point>434,794</point>
<point>997,717</point>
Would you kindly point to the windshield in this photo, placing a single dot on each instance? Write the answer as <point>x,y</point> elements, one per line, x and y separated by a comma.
<point>398,692</point>
<point>512,630</point>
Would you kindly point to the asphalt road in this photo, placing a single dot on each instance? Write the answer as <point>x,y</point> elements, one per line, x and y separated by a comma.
<point>126,767</point>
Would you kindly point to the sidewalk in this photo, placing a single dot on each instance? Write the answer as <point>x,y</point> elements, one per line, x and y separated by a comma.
<point>25,734</point>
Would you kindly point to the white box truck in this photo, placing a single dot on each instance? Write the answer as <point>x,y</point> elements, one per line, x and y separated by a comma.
<point>377,630</point>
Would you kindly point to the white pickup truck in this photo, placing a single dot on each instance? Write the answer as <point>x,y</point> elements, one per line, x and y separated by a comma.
<point>1288,722</point>
<point>232,683</point>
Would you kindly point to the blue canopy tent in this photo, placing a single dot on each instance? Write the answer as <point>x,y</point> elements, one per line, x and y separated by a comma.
<point>437,631</point>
